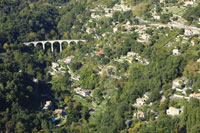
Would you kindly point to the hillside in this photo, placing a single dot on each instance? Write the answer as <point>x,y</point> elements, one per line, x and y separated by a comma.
<point>99,66</point>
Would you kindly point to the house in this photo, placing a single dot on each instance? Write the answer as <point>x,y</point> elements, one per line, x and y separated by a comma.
<point>121,7</point>
<point>145,62</point>
<point>108,15</point>
<point>198,60</point>
<point>115,29</point>
<point>140,101</point>
<point>128,23</point>
<point>179,83</point>
<point>193,42</point>
<point>100,52</point>
<point>125,7</point>
<point>139,114</point>
<point>145,37</point>
<point>117,8</point>
<point>156,17</point>
<point>195,95</point>
<point>47,105</point>
<point>163,99</point>
<point>173,111</point>
<point>146,95</point>
<point>104,34</point>
<point>94,16</point>
<point>60,113</point>
<point>188,2</point>
<point>130,54</point>
<point>128,27</point>
<point>176,52</point>
<point>188,32</point>
<point>35,80</point>
<point>176,84</point>
<point>82,92</point>
<point>68,59</point>
<point>89,30</point>
<point>141,27</point>
<point>162,1</point>
<point>54,65</point>
<point>75,77</point>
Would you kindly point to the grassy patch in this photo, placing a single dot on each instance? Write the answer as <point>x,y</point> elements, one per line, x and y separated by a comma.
<point>165,39</point>
<point>176,10</point>
<point>82,100</point>
<point>140,9</point>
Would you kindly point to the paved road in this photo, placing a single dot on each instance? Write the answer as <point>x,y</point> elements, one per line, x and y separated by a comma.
<point>171,24</point>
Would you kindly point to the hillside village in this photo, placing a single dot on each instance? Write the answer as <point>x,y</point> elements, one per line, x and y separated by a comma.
<point>147,32</point>
<point>138,69</point>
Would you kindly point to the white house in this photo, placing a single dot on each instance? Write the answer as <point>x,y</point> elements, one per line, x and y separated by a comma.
<point>128,27</point>
<point>89,30</point>
<point>193,42</point>
<point>115,29</point>
<point>82,92</point>
<point>199,20</point>
<point>145,37</point>
<point>108,15</point>
<point>94,16</point>
<point>176,83</point>
<point>54,65</point>
<point>176,52</point>
<point>140,101</point>
<point>47,105</point>
<point>68,59</point>
<point>130,54</point>
<point>179,83</point>
<point>188,32</point>
<point>198,60</point>
<point>195,95</point>
<point>173,111</point>
<point>146,95</point>
<point>162,1</point>
<point>188,3</point>
<point>60,113</point>
<point>156,17</point>
<point>163,99</point>
<point>125,7</point>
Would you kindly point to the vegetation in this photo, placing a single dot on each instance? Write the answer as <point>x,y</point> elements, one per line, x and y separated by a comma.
<point>115,67</point>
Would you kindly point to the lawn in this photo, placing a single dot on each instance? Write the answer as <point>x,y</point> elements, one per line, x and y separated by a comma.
<point>83,101</point>
<point>176,10</point>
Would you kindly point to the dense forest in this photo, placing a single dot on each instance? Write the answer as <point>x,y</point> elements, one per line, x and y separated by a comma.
<point>26,84</point>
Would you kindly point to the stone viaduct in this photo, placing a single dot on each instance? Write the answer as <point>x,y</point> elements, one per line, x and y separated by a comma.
<point>35,43</point>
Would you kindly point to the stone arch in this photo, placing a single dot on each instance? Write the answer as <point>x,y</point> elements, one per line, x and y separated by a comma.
<point>79,44</point>
<point>64,44</point>
<point>58,46</point>
<point>38,44</point>
<point>31,45</point>
<point>47,45</point>
<point>72,42</point>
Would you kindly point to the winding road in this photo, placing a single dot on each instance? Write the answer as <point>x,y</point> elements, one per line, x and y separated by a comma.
<point>171,24</point>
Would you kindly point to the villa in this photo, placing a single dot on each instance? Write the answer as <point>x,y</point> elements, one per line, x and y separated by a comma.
<point>173,111</point>
<point>47,105</point>
<point>188,32</point>
<point>140,101</point>
<point>60,113</point>
<point>82,92</point>
<point>195,95</point>
<point>176,52</point>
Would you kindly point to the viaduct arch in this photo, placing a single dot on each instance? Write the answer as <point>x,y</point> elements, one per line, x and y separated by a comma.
<point>35,43</point>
